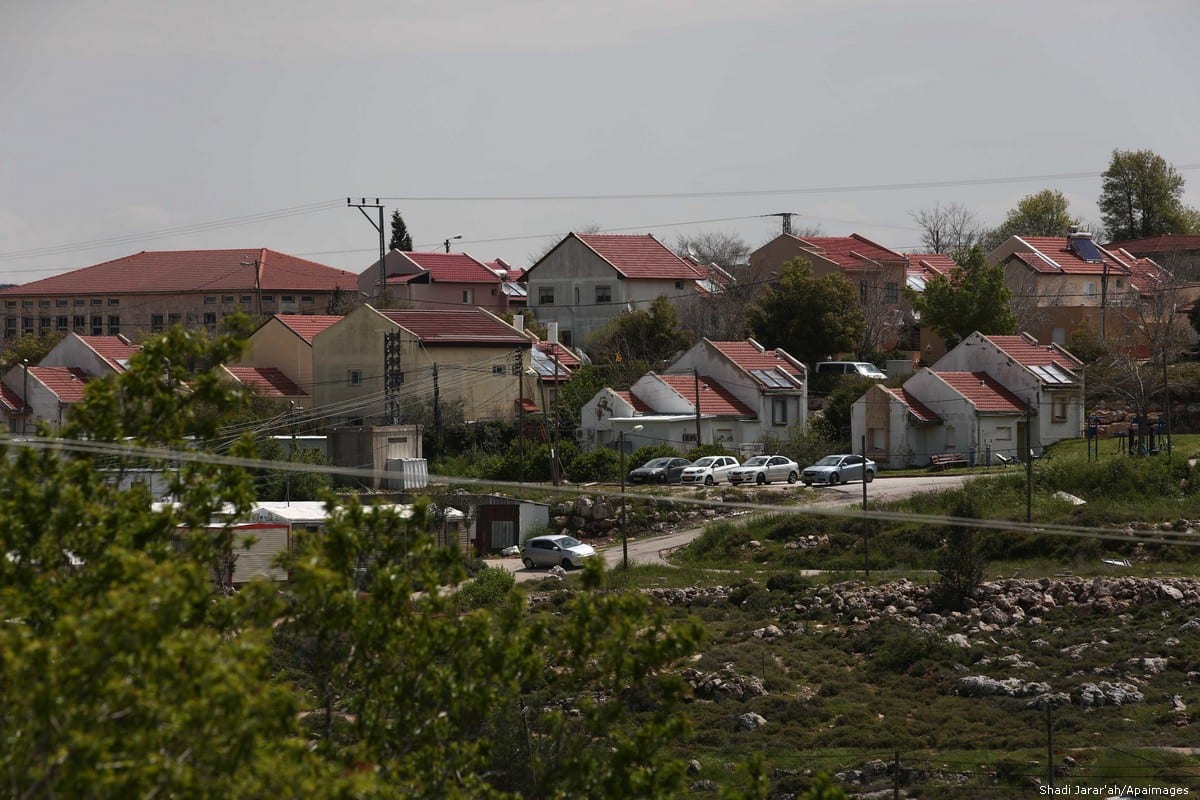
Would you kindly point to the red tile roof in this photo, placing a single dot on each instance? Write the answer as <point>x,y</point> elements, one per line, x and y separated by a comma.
<point>1025,350</point>
<point>749,356</point>
<point>511,273</point>
<point>456,327</point>
<point>306,326</point>
<point>851,252</point>
<point>930,264</point>
<point>115,350</point>
<point>1052,254</point>
<point>565,357</point>
<point>714,398</point>
<point>266,381</point>
<point>453,267</point>
<point>983,391</point>
<point>10,400</point>
<point>67,383</point>
<point>1146,276</point>
<point>638,404</point>
<point>194,271</point>
<point>639,256</point>
<point>915,407</point>
<point>1169,243</point>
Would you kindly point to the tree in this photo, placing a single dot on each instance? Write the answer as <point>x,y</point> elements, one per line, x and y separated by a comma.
<point>29,347</point>
<point>1141,195</point>
<point>951,230</point>
<point>1045,213</point>
<point>648,337</point>
<point>973,298</point>
<point>810,317</point>
<point>728,251</point>
<point>401,239</point>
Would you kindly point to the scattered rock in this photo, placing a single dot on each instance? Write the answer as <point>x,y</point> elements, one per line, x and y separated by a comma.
<point>751,721</point>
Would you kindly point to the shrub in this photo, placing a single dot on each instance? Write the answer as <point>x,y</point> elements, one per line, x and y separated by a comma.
<point>490,588</point>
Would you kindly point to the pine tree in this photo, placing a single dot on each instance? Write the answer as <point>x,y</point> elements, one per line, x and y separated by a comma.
<point>401,239</point>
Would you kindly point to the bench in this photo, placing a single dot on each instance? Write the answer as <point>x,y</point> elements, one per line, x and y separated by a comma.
<point>946,460</point>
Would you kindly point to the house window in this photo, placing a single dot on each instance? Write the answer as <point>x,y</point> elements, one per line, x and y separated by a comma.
<point>79,323</point>
<point>27,324</point>
<point>226,298</point>
<point>1090,289</point>
<point>1004,434</point>
<point>79,302</point>
<point>97,325</point>
<point>245,299</point>
<point>114,301</point>
<point>576,295</point>
<point>603,294</point>
<point>565,338</point>
<point>10,327</point>
<point>862,292</point>
<point>210,300</point>
<point>307,298</point>
<point>498,369</point>
<point>1120,283</point>
<point>43,325</point>
<point>114,324</point>
<point>1058,408</point>
<point>891,292</point>
<point>173,319</point>
<point>156,323</point>
<point>546,295</point>
<point>268,298</point>
<point>60,303</point>
<point>678,284</point>
<point>690,436</point>
<point>43,303</point>
<point>61,324</point>
<point>210,318</point>
<point>26,304</point>
<point>354,377</point>
<point>468,296</point>
<point>876,438</point>
<point>779,411</point>
<point>287,298</point>
<point>96,301</point>
<point>10,304</point>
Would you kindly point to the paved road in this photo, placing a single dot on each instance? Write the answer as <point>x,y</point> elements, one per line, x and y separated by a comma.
<point>653,549</point>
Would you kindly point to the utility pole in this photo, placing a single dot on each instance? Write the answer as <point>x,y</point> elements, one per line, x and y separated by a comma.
<point>519,368</point>
<point>450,239</point>
<point>866,521</point>
<point>786,218</point>
<point>362,205</point>
<point>696,378</point>
<point>1050,742</point>
<point>1029,461</point>
<point>437,411</point>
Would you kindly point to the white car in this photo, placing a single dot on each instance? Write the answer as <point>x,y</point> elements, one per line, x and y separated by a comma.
<point>709,470</point>
<point>765,469</point>
<point>549,551</point>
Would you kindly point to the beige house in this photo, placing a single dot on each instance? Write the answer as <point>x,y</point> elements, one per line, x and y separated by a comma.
<point>588,279</point>
<point>443,280</point>
<point>148,292</point>
<point>1063,284</point>
<point>279,353</point>
<point>377,367</point>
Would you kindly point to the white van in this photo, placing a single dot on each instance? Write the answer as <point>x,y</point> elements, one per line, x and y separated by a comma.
<point>859,369</point>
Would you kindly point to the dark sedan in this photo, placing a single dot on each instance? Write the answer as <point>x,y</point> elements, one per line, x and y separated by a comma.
<point>659,470</point>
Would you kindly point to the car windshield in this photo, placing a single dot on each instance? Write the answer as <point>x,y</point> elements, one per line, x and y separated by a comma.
<point>705,462</point>
<point>829,461</point>
<point>658,462</point>
<point>569,541</point>
<point>757,461</point>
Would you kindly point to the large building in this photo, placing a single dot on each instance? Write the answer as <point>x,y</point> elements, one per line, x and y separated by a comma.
<point>150,291</point>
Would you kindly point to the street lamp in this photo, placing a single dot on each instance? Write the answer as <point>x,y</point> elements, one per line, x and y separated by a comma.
<point>624,506</point>
<point>449,240</point>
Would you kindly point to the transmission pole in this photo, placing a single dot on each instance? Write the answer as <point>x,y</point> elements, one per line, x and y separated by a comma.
<point>786,218</point>
<point>362,205</point>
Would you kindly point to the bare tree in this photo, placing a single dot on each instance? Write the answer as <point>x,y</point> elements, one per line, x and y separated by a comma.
<point>948,229</point>
<point>880,295</point>
<point>728,251</point>
<point>1034,300</point>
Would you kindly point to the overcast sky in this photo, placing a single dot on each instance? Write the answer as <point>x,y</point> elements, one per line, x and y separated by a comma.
<point>127,124</point>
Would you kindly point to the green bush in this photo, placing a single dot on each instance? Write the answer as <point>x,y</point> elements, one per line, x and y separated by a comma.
<point>490,588</point>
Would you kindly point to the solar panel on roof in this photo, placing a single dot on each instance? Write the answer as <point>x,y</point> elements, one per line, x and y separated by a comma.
<point>771,378</point>
<point>1085,248</point>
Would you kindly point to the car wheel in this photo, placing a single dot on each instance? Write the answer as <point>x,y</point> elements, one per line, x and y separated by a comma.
<point>869,476</point>
<point>708,481</point>
<point>528,563</point>
<point>791,477</point>
<point>834,479</point>
<point>662,478</point>
<point>761,479</point>
<point>808,483</point>
<point>566,564</point>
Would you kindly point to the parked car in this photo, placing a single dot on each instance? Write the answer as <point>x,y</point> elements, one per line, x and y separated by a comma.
<point>659,470</point>
<point>765,469</point>
<point>839,469</point>
<point>549,551</point>
<point>709,470</point>
<point>856,369</point>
